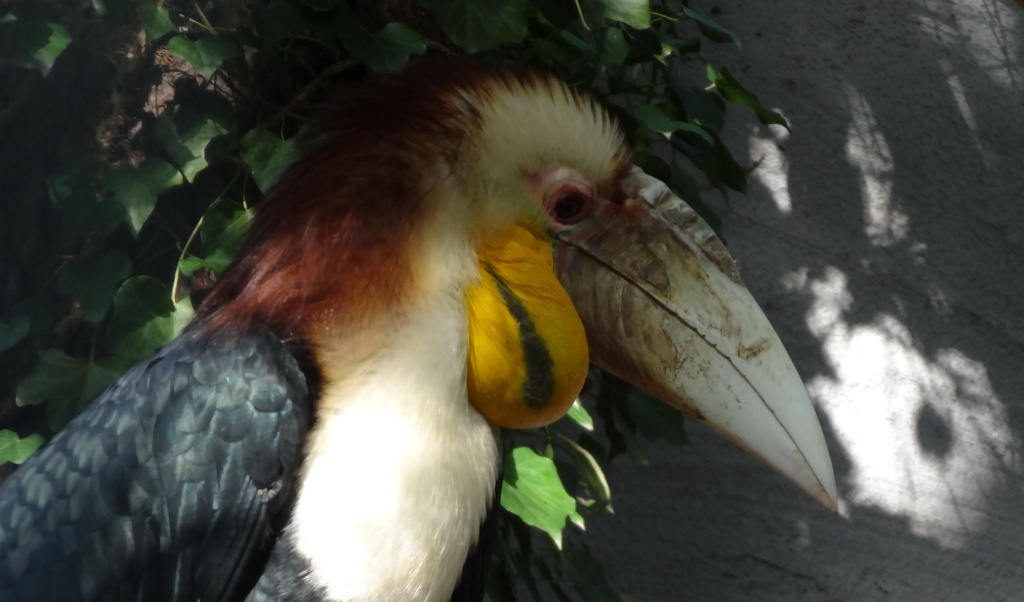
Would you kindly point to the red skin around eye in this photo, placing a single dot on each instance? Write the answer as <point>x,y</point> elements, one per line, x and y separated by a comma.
<point>554,183</point>
<point>559,194</point>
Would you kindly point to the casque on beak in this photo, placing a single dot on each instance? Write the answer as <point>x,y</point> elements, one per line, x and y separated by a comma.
<point>664,308</point>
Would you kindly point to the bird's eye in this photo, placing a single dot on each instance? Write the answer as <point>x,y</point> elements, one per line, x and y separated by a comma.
<point>569,205</point>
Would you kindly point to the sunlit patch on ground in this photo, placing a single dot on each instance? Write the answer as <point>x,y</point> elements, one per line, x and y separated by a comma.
<point>927,436</point>
<point>868,151</point>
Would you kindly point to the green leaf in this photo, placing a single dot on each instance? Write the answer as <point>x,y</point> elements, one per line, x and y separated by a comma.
<point>391,46</point>
<point>635,13</point>
<point>627,431</point>
<point>82,213</point>
<point>114,11</point>
<point>205,54</point>
<point>549,52</point>
<point>387,50</point>
<point>16,450</point>
<point>65,384</point>
<point>276,22</point>
<point>31,44</point>
<point>154,18</point>
<point>223,231</point>
<point>614,48</point>
<point>715,161</point>
<point>593,475</point>
<point>188,265</point>
<point>733,91</point>
<point>13,330</point>
<point>655,420</point>
<point>701,106</point>
<point>586,47</point>
<point>712,30</point>
<point>670,44</point>
<point>477,26</point>
<point>590,578</point>
<point>656,119</point>
<point>686,186</point>
<point>319,5</point>
<point>185,134</point>
<point>645,45</point>
<point>144,318</point>
<point>94,281</point>
<point>138,301</point>
<point>532,491</point>
<point>137,188</point>
<point>578,414</point>
<point>267,155</point>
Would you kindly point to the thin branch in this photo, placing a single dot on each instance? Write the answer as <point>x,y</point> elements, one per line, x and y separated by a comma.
<point>206,22</point>
<point>181,257</point>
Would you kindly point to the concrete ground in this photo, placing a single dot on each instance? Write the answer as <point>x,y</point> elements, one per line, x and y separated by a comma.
<point>884,236</point>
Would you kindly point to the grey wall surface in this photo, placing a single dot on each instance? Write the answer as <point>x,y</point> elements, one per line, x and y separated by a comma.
<point>884,236</point>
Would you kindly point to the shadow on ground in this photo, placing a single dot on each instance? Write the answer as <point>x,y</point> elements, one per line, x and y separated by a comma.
<point>884,235</point>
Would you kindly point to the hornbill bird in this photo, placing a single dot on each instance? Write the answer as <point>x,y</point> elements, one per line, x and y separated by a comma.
<point>452,250</point>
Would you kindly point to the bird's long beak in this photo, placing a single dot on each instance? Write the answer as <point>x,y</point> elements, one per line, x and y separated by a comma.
<point>664,309</point>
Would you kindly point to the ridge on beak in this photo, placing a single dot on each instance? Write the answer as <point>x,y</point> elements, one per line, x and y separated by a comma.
<point>665,309</point>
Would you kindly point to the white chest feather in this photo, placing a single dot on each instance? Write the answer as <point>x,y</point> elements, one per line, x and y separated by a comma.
<point>400,469</point>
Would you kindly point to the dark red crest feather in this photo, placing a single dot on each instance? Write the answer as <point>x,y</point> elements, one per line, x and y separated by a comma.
<point>330,242</point>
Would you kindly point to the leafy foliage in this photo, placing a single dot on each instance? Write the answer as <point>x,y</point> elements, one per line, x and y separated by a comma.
<point>15,449</point>
<point>203,103</point>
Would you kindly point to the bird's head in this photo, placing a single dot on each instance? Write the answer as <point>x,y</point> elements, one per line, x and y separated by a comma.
<point>512,195</point>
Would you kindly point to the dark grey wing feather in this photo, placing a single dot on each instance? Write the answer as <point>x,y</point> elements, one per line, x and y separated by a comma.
<point>163,487</point>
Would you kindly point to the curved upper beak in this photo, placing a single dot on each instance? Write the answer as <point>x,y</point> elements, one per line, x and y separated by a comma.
<point>664,308</point>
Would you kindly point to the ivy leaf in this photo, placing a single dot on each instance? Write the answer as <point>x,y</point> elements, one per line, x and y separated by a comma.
<point>266,155</point>
<point>114,11</point>
<point>137,188</point>
<point>16,450</point>
<point>715,161</point>
<point>391,46</point>
<point>614,48</point>
<point>31,44</point>
<point>653,419</point>
<point>645,45</point>
<point>656,119</point>
<point>477,26</point>
<point>701,106</point>
<point>276,22</point>
<point>733,91</point>
<point>13,330</point>
<point>94,281</point>
<point>155,19</point>
<point>671,45</point>
<point>322,6</point>
<point>205,54</point>
<point>386,51</point>
<point>189,265</point>
<point>711,29</point>
<point>549,52</point>
<point>223,232</point>
<point>533,491</point>
<point>185,134</point>
<point>143,319</point>
<point>65,384</point>
<point>82,214</point>
<point>593,475</point>
<point>587,49</point>
<point>578,414</point>
<point>590,578</point>
<point>635,13</point>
